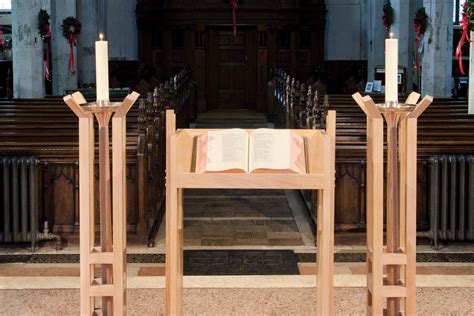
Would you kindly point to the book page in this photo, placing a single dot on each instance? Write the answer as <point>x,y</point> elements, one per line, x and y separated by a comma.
<point>270,149</point>
<point>227,149</point>
<point>277,151</point>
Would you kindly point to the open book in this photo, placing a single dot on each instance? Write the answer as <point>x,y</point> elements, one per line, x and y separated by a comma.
<point>262,150</point>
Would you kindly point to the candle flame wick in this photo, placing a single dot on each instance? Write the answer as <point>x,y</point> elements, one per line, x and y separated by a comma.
<point>101,36</point>
<point>391,35</point>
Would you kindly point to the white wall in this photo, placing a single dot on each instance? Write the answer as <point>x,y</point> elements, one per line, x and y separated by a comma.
<point>346,34</point>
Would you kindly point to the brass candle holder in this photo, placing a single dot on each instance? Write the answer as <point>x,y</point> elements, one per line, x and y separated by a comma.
<point>399,255</point>
<point>110,254</point>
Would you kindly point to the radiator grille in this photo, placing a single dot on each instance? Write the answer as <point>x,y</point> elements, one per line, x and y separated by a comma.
<point>18,199</point>
<point>452,198</point>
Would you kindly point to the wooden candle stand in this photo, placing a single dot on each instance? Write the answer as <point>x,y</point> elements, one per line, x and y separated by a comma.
<point>321,146</point>
<point>399,255</point>
<point>111,253</point>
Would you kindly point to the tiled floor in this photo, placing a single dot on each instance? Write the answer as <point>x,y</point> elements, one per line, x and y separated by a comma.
<point>220,218</point>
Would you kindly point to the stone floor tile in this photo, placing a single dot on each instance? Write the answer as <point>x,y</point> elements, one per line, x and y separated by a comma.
<point>152,271</point>
<point>217,242</point>
<point>250,235</point>
<point>286,242</point>
<point>59,271</point>
<point>20,271</point>
<point>192,242</point>
<point>283,235</point>
<point>192,233</point>
<point>282,226</point>
<point>252,242</point>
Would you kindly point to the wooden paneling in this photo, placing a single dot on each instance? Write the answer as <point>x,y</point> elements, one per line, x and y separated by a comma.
<point>232,63</point>
<point>225,80</point>
<point>349,194</point>
<point>59,196</point>
<point>262,73</point>
<point>200,77</point>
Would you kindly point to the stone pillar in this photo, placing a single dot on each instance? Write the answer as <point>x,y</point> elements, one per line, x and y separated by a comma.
<point>102,16</point>
<point>436,78</point>
<point>87,13</point>
<point>403,29</point>
<point>121,29</point>
<point>376,36</point>
<point>28,67</point>
<point>62,78</point>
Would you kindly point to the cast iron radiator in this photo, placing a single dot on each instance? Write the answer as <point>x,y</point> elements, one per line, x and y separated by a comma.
<point>19,200</point>
<point>452,198</point>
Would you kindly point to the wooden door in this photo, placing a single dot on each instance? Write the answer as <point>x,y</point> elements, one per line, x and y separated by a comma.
<point>231,63</point>
<point>231,69</point>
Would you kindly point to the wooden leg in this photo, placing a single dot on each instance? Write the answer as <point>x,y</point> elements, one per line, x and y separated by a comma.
<point>173,257</point>
<point>410,219</point>
<point>119,215</point>
<point>180,246</point>
<point>86,193</point>
<point>402,140</point>
<point>375,211</point>
<point>393,224</point>
<point>325,237</point>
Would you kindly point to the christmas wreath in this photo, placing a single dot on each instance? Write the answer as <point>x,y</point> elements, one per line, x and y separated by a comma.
<point>467,24</point>
<point>71,30</point>
<point>44,28</point>
<point>43,23</point>
<point>421,23</point>
<point>388,15</point>
<point>5,44</point>
<point>71,27</point>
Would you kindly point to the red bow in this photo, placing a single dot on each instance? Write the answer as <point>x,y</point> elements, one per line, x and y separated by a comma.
<point>418,39</point>
<point>465,35</point>
<point>72,43</point>
<point>2,42</point>
<point>234,3</point>
<point>47,37</point>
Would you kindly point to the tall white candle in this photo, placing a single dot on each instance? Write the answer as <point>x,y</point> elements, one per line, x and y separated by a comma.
<point>102,68</point>
<point>391,69</point>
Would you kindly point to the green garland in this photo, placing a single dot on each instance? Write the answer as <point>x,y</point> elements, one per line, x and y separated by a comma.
<point>43,23</point>
<point>388,15</point>
<point>71,27</point>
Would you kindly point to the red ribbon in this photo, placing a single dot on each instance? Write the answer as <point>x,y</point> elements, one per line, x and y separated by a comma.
<point>72,43</point>
<point>47,37</point>
<point>234,19</point>
<point>418,40</point>
<point>465,35</point>
<point>2,42</point>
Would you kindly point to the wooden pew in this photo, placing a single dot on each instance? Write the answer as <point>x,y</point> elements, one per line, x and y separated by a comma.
<point>445,128</point>
<point>47,129</point>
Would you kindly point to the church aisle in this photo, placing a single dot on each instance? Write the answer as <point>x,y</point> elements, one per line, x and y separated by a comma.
<point>235,219</point>
<point>241,219</point>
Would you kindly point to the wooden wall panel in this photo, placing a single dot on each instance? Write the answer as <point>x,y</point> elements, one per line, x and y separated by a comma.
<point>59,197</point>
<point>213,18</point>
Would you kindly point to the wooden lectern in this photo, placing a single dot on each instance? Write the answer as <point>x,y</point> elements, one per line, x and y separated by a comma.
<point>321,146</point>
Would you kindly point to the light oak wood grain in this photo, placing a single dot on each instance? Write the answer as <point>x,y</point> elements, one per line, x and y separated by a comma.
<point>111,287</point>
<point>400,293</point>
<point>179,175</point>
